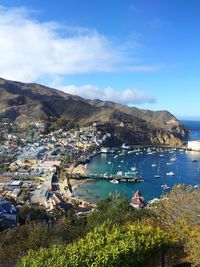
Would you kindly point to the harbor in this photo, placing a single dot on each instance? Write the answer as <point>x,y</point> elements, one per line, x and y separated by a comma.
<point>158,169</point>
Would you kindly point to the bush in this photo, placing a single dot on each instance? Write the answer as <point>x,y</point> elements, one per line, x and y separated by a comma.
<point>107,245</point>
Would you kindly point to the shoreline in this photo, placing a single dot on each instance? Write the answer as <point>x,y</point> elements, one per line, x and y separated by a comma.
<point>82,202</point>
<point>81,169</point>
<point>75,183</point>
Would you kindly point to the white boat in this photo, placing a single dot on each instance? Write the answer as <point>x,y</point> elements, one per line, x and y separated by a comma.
<point>114,181</point>
<point>169,163</point>
<point>109,162</point>
<point>165,186</point>
<point>170,173</point>
<point>133,169</point>
<point>124,146</point>
<point>173,158</point>
<point>158,172</point>
<point>104,150</point>
<point>107,150</point>
<point>120,173</point>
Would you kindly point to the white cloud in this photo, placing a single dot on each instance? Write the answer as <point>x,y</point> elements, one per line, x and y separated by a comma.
<point>126,96</point>
<point>31,50</point>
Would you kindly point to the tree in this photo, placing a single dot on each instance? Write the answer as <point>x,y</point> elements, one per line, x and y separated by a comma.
<point>179,213</point>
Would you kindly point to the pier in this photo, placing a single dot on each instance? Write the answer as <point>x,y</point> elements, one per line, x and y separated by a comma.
<point>109,177</point>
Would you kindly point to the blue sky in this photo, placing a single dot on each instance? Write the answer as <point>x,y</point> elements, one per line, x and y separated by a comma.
<point>137,52</point>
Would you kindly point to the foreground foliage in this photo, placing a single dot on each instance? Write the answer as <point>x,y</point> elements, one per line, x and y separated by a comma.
<point>106,245</point>
<point>179,213</point>
<point>130,236</point>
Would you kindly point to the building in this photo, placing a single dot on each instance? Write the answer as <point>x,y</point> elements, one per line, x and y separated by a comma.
<point>8,214</point>
<point>137,200</point>
<point>194,145</point>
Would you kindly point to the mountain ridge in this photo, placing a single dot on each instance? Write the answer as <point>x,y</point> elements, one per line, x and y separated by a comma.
<point>24,103</point>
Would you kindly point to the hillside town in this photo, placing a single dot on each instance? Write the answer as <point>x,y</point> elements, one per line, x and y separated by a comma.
<point>35,167</point>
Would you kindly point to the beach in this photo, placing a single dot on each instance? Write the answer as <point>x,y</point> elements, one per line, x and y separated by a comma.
<point>80,169</point>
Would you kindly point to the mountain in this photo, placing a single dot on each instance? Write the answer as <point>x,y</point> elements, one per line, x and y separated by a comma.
<point>28,102</point>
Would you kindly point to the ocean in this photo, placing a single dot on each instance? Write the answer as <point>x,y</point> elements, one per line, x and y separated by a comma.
<point>185,167</point>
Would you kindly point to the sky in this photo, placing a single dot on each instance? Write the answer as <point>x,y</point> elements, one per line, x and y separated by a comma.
<point>136,52</point>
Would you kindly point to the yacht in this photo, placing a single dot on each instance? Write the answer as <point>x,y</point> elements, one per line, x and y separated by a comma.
<point>170,173</point>
<point>133,169</point>
<point>114,181</point>
<point>169,163</point>
<point>165,186</point>
<point>157,176</point>
<point>124,146</point>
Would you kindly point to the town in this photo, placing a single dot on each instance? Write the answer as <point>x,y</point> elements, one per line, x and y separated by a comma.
<point>36,166</point>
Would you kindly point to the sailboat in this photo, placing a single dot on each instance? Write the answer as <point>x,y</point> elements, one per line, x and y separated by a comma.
<point>158,173</point>
<point>154,164</point>
<point>173,158</point>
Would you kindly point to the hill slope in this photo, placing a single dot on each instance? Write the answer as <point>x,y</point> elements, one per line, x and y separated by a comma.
<point>27,102</point>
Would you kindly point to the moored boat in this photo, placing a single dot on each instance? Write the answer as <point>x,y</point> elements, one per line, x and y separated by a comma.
<point>165,186</point>
<point>170,173</point>
<point>114,181</point>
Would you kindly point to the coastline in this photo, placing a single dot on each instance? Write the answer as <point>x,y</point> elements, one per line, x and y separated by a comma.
<point>75,183</point>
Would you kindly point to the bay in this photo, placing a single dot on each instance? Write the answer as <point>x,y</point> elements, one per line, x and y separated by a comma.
<point>186,170</point>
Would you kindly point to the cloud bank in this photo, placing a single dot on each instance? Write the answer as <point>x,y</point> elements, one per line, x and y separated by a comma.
<point>127,96</point>
<point>31,50</point>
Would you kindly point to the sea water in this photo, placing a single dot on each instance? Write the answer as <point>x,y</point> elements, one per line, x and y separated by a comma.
<point>185,170</point>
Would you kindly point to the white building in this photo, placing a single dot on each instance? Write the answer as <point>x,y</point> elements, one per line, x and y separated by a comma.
<point>194,145</point>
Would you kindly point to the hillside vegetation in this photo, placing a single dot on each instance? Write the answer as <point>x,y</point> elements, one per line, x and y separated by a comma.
<point>26,103</point>
<point>112,234</point>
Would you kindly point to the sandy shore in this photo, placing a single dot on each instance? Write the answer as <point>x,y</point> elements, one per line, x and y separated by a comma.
<point>75,182</point>
<point>80,169</point>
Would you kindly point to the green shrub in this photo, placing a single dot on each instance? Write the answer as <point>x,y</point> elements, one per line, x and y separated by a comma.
<point>106,245</point>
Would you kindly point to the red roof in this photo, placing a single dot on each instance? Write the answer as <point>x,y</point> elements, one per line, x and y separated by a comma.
<point>138,194</point>
<point>137,199</point>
